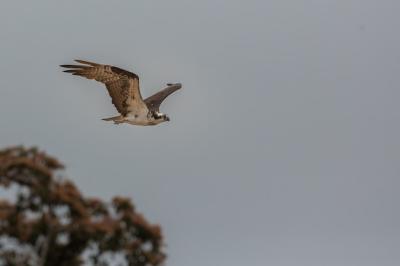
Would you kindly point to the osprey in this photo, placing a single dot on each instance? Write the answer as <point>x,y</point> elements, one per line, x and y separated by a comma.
<point>123,87</point>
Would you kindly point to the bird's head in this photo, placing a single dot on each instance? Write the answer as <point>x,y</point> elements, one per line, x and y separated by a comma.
<point>160,117</point>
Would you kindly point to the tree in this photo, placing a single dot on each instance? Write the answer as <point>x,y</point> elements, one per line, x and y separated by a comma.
<point>51,223</point>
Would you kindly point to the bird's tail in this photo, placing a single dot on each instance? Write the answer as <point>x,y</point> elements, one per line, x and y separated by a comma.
<point>117,119</point>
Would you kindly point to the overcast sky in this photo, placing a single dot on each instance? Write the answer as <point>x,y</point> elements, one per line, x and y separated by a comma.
<point>283,147</point>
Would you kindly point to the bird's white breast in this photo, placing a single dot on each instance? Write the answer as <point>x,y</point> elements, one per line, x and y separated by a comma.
<point>138,118</point>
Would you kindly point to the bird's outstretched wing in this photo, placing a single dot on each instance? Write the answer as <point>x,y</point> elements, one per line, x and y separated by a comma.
<point>122,85</point>
<point>153,102</point>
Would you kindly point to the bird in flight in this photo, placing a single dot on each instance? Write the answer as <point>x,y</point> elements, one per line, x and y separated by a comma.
<point>123,87</point>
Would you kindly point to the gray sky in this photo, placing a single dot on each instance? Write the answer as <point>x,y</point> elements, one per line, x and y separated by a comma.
<point>283,147</point>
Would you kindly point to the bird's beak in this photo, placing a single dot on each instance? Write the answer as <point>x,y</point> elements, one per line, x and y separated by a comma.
<point>167,118</point>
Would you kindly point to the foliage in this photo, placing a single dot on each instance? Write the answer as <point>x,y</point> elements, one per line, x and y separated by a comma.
<point>51,223</point>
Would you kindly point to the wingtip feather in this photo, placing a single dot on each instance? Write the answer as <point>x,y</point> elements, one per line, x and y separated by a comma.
<point>178,85</point>
<point>86,62</point>
<point>70,71</point>
<point>74,66</point>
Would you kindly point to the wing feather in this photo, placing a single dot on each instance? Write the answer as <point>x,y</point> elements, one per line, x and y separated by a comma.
<point>153,102</point>
<point>122,85</point>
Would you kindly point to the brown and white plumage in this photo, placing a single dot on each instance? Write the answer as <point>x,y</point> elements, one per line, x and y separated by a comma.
<point>124,90</point>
